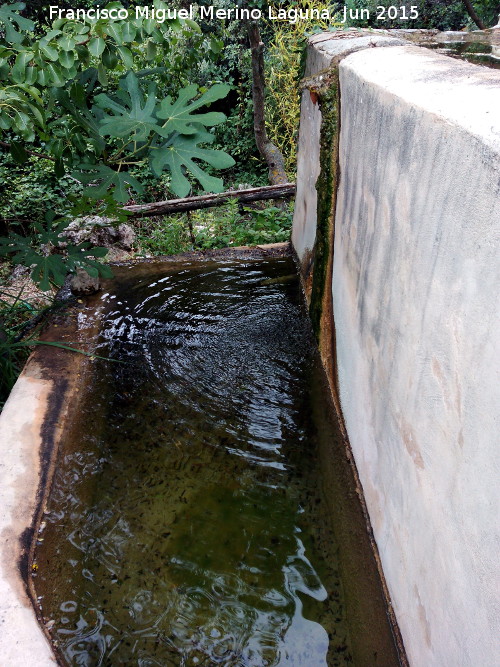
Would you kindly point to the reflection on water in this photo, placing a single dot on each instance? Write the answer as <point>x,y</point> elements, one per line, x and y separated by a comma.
<point>186,522</point>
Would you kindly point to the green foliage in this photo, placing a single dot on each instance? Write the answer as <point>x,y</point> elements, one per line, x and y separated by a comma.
<point>50,255</point>
<point>15,314</point>
<point>73,54</point>
<point>132,112</point>
<point>444,15</point>
<point>28,190</point>
<point>432,14</point>
<point>10,18</point>
<point>168,237</point>
<point>489,10</point>
<point>73,45</point>
<point>179,157</point>
<point>253,227</point>
<point>178,115</point>
<point>80,55</point>
<point>52,92</point>
<point>105,178</point>
<point>51,269</point>
<point>283,65</point>
<point>20,326</point>
<point>232,65</point>
<point>166,133</point>
<point>222,227</point>
<point>150,129</point>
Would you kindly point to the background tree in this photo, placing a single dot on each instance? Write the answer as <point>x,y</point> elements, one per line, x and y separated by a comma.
<point>269,151</point>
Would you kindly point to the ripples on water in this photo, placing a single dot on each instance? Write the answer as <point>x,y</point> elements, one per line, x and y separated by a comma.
<point>185,523</point>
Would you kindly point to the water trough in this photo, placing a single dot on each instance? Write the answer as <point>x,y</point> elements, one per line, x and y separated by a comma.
<point>241,551</point>
<point>424,501</point>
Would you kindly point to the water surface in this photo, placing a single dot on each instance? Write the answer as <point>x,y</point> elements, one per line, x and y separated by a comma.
<point>187,523</point>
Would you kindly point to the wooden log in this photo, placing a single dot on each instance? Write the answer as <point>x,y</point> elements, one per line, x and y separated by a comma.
<point>207,201</point>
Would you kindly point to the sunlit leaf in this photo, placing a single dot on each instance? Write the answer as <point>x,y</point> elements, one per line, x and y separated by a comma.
<point>67,43</point>
<point>49,51</point>
<point>126,56</point>
<point>178,113</point>
<point>114,30</point>
<point>179,155</point>
<point>19,69</point>
<point>133,117</point>
<point>56,76</point>
<point>31,75</point>
<point>67,59</point>
<point>96,46</point>
<point>128,32</point>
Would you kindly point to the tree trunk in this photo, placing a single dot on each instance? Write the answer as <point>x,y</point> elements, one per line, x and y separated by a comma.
<point>472,13</point>
<point>267,149</point>
<point>208,201</point>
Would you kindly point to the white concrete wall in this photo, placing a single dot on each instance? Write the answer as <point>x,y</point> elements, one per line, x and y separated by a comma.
<point>416,302</point>
<point>323,50</point>
<point>22,642</point>
<point>306,199</point>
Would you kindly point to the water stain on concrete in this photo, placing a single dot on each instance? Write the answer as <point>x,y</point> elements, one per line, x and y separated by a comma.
<point>411,444</point>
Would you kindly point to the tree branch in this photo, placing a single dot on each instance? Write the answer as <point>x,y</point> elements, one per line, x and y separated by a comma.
<point>43,155</point>
<point>207,201</point>
<point>472,13</point>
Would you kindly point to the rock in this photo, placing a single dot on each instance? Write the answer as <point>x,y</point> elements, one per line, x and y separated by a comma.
<point>117,255</point>
<point>99,231</point>
<point>64,293</point>
<point>122,237</point>
<point>81,229</point>
<point>20,271</point>
<point>82,284</point>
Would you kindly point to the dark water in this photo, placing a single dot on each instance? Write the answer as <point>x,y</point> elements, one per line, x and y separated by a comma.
<point>187,523</point>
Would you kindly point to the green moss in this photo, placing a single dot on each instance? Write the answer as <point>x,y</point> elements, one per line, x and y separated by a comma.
<point>326,187</point>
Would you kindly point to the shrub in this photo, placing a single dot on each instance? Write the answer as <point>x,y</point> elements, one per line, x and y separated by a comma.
<point>221,227</point>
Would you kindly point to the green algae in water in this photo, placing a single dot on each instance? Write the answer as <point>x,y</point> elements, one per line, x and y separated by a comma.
<point>186,521</point>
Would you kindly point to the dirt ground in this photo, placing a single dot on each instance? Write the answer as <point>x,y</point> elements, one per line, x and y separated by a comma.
<point>16,284</point>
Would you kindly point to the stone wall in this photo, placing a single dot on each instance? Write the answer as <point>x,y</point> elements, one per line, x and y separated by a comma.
<point>415,294</point>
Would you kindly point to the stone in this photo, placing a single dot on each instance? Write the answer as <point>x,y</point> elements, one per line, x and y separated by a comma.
<point>82,284</point>
<point>100,231</point>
